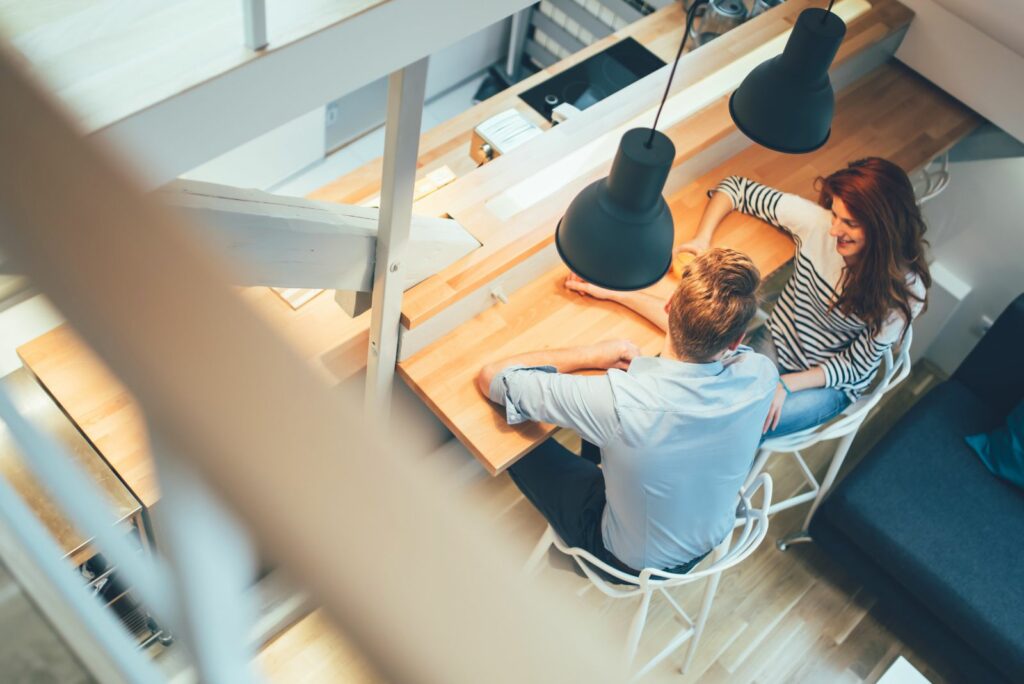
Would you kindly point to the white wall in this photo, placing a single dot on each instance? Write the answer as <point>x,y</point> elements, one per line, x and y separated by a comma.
<point>294,146</point>
<point>270,158</point>
<point>976,228</point>
<point>21,323</point>
<point>363,109</point>
<point>975,54</point>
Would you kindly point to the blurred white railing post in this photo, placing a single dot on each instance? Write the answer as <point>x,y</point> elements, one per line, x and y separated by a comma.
<point>212,565</point>
<point>89,628</point>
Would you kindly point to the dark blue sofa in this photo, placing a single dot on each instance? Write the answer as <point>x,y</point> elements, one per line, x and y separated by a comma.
<point>938,538</point>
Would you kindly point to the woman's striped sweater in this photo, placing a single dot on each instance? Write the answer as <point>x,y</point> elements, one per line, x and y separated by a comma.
<point>806,329</point>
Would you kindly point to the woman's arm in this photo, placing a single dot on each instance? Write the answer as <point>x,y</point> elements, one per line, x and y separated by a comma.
<point>794,382</point>
<point>794,214</point>
<point>647,305</point>
<point>718,207</point>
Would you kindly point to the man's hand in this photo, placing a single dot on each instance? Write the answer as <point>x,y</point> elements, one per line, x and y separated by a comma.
<point>775,410</point>
<point>580,286</point>
<point>612,354</point>
<point>600,356</point>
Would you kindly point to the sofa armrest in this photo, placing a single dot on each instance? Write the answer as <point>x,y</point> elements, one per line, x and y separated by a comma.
<point>994,370</point>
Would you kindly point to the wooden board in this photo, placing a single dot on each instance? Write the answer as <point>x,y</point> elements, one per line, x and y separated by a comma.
<point>891,113</point>
<point>98,404</point>
<point>295,297</point>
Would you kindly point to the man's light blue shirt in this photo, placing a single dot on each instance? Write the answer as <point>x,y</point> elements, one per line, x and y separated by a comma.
<point>677,441</point>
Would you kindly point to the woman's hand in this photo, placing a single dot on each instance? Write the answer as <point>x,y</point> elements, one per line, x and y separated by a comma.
<point>612,354</point>
<point>775,410</point>
<point>580,286</point>
<point>696,247</point>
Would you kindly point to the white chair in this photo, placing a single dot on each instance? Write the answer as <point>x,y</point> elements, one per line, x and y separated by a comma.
<point>753,523</point>
<point>843,427</point>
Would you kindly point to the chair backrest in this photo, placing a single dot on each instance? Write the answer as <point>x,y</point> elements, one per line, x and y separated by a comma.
<point>752,532</point>
<point>893,370</point>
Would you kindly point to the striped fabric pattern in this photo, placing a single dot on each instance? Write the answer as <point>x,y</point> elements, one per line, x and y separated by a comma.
<point>807,332</point>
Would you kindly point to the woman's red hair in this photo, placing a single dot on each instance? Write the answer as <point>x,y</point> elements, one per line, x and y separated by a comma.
<point>879,196</point>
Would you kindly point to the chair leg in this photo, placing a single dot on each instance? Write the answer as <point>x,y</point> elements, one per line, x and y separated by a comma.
<point>842,448</point>
<point>838,457</point>
<point>636,628</point>
<point>705,605</point>
<point>540,551</point>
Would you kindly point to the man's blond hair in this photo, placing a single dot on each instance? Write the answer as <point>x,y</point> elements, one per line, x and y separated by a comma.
<point>713,304</point>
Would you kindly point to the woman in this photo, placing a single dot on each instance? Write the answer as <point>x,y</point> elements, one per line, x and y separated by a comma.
<point>860,278</point>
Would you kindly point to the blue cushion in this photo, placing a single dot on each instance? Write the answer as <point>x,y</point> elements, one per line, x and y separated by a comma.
<point>1002,450</point>
<point>925,508</point>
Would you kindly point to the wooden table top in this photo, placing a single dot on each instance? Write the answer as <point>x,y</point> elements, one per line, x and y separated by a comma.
<point>891,113</point>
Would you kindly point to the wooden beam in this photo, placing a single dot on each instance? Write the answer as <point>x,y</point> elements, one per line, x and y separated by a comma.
<point>293,242</point>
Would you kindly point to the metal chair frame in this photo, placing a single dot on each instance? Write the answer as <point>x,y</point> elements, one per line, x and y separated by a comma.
<point>843,428</point>
<point>753,524</point>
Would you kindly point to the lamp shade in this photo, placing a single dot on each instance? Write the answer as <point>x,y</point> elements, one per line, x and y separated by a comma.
<point>617,232</point>
<point>786,103</point>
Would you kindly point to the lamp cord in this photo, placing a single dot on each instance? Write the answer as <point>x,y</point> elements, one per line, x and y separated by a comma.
<point>828,11</point>
<point>690,14</point>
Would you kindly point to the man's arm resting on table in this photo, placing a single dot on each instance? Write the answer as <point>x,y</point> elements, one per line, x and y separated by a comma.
<point>537,387</point>
<point>600,356</point>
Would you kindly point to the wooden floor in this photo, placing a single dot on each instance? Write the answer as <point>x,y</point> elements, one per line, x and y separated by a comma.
<point>791,616</point>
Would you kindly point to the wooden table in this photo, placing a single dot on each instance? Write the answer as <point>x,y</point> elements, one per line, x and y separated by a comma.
<point>893,113</point>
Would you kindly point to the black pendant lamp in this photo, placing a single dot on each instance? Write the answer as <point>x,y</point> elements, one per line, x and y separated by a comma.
<point>786,104</point>
<point>618,232</point>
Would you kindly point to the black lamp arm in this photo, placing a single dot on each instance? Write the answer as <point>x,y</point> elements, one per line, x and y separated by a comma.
<point>690,14</point>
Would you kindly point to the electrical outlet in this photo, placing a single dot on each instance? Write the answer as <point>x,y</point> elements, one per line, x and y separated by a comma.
<point>985,325</point>
<point>331,117</point>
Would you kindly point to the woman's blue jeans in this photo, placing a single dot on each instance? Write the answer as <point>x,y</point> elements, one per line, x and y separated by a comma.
<point>803,409</point>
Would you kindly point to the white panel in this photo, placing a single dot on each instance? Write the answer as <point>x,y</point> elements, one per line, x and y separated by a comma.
<point>456,63</point>
<point>175,135</point>
<point>270,158</point>
<point>967,63</point>
<point>974,228</point>
<point>22,323</point>
<point>944,298</point>
<point>1001,19</point>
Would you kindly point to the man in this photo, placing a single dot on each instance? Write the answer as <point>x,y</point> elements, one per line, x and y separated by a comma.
<point>677,433</point>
